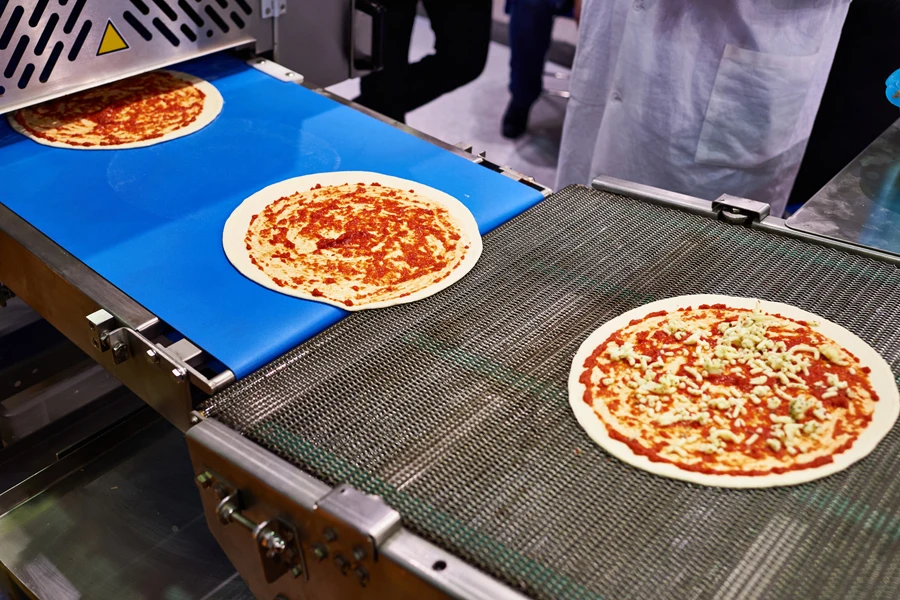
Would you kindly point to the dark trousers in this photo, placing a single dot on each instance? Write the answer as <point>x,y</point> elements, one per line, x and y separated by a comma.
<point>530,31</point>
<point>462,30</point>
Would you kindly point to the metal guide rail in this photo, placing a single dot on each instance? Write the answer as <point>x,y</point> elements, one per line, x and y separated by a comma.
<point>454,411</point>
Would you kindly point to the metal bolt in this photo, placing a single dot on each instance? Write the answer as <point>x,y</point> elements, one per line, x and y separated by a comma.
<point>296,571</point>
<point>342,563</point>
<point>359,553</point>
<point>194,419</point>
<point>220,490</point>
<point>120,353</point>
<point>152,356</point>
<point>95,343</point>
<point>226,511</point>
<point>205,479</point>
<point>362,576</point>
<point>330,534</point>
<point>178,375</point>
<point>320,551</point>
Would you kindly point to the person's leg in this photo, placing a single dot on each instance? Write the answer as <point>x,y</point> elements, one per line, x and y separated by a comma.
<point>385,91</point>
<point>530,31</point>
<point>462,30</point>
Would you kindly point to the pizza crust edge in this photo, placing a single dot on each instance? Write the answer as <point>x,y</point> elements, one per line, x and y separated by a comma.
<point>212,107</point>
<point>236,228</point>
<point>881,378</point>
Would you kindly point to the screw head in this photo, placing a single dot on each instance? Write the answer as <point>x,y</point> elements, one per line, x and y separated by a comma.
<point>341,563</point>
<point>152,356</point>
<point>177,375</point>
<point>359,553</point>
<point>205,479</point>
<point>330,534</point>
<point>320,551</point>
<point>362,576</point>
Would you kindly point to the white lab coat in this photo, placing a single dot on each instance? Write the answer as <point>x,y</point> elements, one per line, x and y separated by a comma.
<point>702,97</point>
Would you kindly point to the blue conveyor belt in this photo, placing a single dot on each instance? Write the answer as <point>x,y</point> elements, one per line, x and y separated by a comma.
<point>150,220</point>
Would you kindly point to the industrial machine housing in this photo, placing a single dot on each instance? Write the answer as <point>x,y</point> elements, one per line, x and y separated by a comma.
<point>425,450</point>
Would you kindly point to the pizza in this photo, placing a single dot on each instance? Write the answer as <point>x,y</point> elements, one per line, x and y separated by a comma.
<point>732,392</point>
<point>358,240</point>
<point>134,112</point>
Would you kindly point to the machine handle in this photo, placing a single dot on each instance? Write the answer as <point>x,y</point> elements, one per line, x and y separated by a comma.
<point>375,60</point>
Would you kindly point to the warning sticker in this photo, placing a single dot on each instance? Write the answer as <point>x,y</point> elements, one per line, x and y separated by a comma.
<point>112,40</point>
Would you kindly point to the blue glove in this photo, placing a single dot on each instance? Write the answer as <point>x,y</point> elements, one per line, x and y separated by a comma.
<point>893,88</point>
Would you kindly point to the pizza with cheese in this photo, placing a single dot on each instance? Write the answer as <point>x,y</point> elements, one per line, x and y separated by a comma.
<point>732,392</point>
<point>135,112</point>
<point>355,240</point>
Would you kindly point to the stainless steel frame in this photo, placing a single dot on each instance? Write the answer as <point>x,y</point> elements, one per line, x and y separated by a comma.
<point>292,536</point>
<point>737,210</point>
<point>66,292</point>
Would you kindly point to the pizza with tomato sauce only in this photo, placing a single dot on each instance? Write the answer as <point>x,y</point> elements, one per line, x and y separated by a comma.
<point>134,112</point>
<point>730,393</point>
<point>358,244</point>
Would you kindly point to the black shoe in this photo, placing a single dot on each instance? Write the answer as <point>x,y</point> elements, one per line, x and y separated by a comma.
<point>515,121</point>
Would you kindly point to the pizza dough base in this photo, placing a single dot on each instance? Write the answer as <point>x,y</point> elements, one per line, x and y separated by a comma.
<point>887,407</point>
<point>237,224</point>
<point>212,106</point>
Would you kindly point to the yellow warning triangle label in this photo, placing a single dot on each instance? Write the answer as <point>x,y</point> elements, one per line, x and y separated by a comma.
<point>112,40</point>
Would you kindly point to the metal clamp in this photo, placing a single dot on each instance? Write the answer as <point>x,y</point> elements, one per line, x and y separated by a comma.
<point>276,540</point>
<point>740,211</point>
<point>177,358</point>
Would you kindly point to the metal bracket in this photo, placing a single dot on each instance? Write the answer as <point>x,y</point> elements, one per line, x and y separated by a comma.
<point>276,540</point>
<point>480,158</point>
<point>739,211</point>
<point>5,294</point>
<point>357,525</point>
<point>176,358</point>
<point>272,8</point>
<point>101,323</point>
<point>273,69</point>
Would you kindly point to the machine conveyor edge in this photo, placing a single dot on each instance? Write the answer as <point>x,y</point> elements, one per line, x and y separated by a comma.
<point>329,542</point>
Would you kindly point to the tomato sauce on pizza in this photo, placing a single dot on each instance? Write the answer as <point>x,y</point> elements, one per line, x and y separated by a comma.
<point>355,243</point>
<point>137,109</point>
<point>728,391</point>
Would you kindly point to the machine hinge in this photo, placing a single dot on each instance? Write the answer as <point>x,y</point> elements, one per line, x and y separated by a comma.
<point>272,8</point>
<point>739,211</point>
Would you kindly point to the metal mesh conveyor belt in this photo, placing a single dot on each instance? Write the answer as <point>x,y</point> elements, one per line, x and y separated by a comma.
<point>455,410</point>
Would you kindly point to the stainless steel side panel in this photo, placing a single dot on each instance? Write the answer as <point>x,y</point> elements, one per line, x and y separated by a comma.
<point>406,567</point>
<point>64,291</point>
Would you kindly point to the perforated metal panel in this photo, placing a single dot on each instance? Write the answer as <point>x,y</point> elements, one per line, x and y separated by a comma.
<point>455,410</point>
<point>52,47</point>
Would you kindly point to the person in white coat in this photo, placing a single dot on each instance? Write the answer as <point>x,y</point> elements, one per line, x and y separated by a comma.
<point>701,97</point>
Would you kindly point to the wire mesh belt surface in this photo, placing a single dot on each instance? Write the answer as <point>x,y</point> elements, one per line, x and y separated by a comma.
<point>455,410</point>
